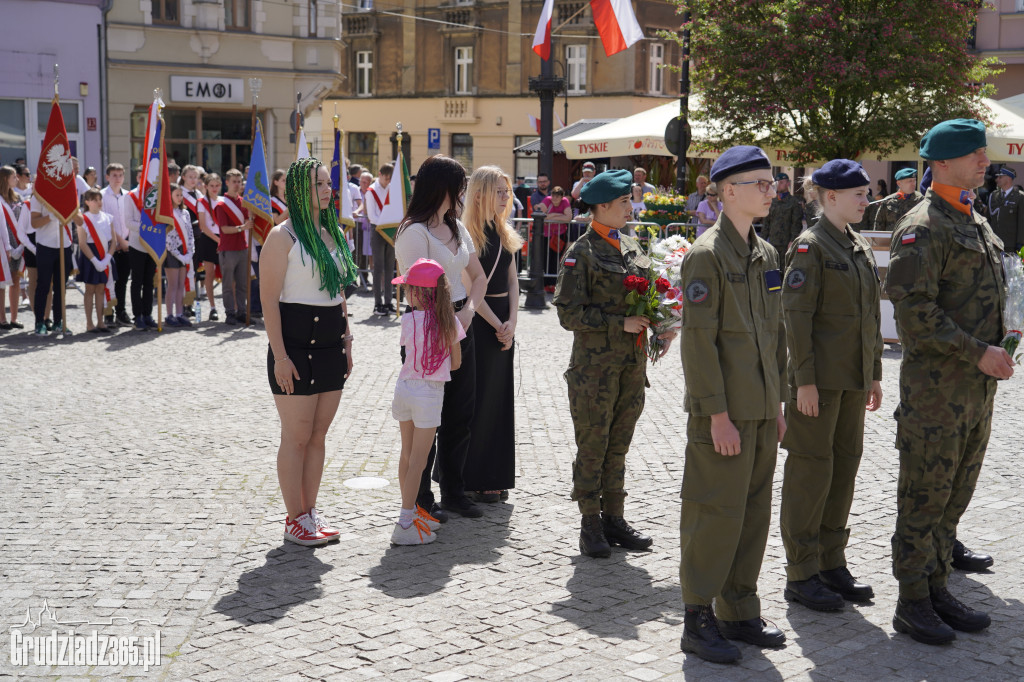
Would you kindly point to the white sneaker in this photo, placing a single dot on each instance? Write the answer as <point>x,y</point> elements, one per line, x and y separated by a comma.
<point>422,514</point>
<point>416,534</point>
<point>303,531</point>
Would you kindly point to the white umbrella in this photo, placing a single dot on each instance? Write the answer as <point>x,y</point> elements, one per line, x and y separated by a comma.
<point>1006,131</point>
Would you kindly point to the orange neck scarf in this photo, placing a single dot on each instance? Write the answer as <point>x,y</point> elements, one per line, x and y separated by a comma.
<point>608,234</point>
<point>958,197</point>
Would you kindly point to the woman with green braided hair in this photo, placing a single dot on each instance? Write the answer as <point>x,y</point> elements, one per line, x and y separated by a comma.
<point>304,269</point>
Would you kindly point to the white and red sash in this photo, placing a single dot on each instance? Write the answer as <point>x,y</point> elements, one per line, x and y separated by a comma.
<point>6,278</point>
<point>190,202</point>
<point>278,204</point>
<point>233,209</point>
<point>181,233</point>
<point>380,204</point>
<point>101,252</point>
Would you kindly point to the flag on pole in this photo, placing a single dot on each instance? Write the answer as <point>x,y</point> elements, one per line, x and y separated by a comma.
<point>55,184</point>
<point>301,148</point>
<point>534,123</point>
<point>561,123</point>
<point>616,23</point>
<point>153,195</point>
<point>339,182</point>
<point>542,38</point>
<point>397,200</point>
<point>257,189</point>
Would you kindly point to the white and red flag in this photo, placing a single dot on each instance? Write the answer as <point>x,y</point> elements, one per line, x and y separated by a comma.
<point>542,39</point>
<point>616,23</point>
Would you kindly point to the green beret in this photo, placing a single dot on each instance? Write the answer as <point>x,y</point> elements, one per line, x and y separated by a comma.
<point>905,173</point>
<point>607,186</point>
<point>953,139</point>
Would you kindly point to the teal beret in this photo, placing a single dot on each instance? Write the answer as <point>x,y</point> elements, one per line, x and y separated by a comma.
<point>739,159</point>
<point>841,174</point>
<point>904,173</point>
<point>953,139</point>
<point>607,186</point>
<point>781,176</point>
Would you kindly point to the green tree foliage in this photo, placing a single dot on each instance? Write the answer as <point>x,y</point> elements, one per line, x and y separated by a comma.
<point>833,78</point>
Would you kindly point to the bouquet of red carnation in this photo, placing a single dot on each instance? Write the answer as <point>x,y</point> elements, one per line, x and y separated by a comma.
<point>655,302</point>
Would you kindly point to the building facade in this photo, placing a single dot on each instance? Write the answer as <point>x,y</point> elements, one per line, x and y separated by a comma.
<point>456,74</point>
<point>29,54</point>
<point>1000,34</point>
<point>202,54</point>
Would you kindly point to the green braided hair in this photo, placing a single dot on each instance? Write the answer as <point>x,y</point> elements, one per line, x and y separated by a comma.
<point>334,275</point>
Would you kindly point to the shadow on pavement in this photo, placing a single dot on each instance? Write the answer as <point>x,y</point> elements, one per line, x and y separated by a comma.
<point>407,572</point>
<point>290,576</point>
<point>753,666</point>
<point>611,597</point>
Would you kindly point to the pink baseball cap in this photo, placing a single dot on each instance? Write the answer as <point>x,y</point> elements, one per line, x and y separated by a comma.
<point>423,273</point>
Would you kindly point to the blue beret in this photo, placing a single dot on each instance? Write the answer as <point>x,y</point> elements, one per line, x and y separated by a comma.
<point>607,186</point>
<point>1007,171</point>
<point>841,174</point>
<point>739,160</point>
<point>953,139</point>
<point>906,173</point>
<point>781,176</point>
<point>926,179</point>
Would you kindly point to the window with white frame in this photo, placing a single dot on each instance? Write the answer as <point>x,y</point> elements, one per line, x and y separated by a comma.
<point>1020,5</point>
<point>656,81</point>
<point>576,68</point>
<point>463,70</point>
<point>366,4</point>
<point>364,73</point>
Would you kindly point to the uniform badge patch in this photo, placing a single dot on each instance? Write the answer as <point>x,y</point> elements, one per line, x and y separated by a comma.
<point>909,238</point>
<point>570,262</point>
<point>803,248</point>
<point>772,280</point>
<point>697,291</point>
<point>796,279</point>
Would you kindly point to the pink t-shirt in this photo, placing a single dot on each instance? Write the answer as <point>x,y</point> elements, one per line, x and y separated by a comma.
<point>413,340</point>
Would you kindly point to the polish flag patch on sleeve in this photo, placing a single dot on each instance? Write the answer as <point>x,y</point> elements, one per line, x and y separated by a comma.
<point>909,238</point>
<point>803,248</point>
<point>570,262</point>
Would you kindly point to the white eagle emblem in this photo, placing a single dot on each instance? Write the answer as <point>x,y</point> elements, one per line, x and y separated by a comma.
<point>58,162</point>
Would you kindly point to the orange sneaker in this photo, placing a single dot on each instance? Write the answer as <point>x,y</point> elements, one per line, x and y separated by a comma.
<point>422,514</point>
<point>333,534</point>
<point>302,531</point>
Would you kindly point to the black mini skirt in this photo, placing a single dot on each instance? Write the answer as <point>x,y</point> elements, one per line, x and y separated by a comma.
<point>313,338</point>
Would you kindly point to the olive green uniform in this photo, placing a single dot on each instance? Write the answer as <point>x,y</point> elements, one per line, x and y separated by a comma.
<point>833,331</point>
<point>607,372</point>
<point>734,353</point>
<point>784,222</point>
<point>894,207</point>
<point>868,221</point>
<point>1007,216</point>
<point>946,282</point>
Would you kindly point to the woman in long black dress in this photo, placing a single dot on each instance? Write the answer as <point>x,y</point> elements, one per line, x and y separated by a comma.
<point>491,463</point>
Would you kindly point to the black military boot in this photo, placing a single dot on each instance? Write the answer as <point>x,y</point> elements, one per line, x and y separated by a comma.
<point>966,560</point>
<point>756,631</point>
<point>621,533</point>
<point>702,637</point>
<point>839,580</point>
<point>917,618</point>
<point>956,614</point>
<point>813,594</point>
<point>592,540</point>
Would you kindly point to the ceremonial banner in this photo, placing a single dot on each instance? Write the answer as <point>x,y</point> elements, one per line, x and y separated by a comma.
<point>396,202</point>
<point>301,148</point>
<point>257,189</point>
<point>342,191</point>
<point>153,195</point>
<point>55,184</point>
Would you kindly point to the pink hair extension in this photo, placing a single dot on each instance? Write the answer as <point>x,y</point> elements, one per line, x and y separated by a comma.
<point>434,351</point>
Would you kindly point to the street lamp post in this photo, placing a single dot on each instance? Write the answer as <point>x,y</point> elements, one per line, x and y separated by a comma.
<point>684,107</point>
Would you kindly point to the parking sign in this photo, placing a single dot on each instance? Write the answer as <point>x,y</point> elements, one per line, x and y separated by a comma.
<point>434,138</point>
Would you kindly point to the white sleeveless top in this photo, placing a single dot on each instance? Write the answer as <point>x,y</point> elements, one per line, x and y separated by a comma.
<point>302,281</point>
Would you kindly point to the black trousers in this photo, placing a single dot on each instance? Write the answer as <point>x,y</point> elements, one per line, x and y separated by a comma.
<point>254,284</point>
<point>48,273</point>
<point>123,268</point>
<point>452,445</point>
<point>143,271</point>
<point>383,269</point>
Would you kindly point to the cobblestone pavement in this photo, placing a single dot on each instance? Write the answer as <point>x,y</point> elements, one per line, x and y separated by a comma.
<point>138,482</point>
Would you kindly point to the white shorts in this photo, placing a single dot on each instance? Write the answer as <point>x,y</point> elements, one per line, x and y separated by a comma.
<point>418,400</point>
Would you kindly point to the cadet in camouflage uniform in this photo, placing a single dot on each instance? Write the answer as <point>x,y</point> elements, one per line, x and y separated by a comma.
<point>785,220</point>
<point>895,206</point>
<point>607,372</point>
<point>734,354</point>
<point>831,293</point>
<point>1006,208</point>
<point>946,283</point>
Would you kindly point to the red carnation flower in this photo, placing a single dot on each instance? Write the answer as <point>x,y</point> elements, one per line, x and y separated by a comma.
<point>662,285</point>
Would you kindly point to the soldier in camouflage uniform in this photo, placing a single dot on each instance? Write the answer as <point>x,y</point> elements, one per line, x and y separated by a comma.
<point>1006,208</point>
<point>895,206</point>
<point>833,328</point>
<point>785,220</point>
<point>607,372</point>
<point>946,283</point>
<point>734,354</point>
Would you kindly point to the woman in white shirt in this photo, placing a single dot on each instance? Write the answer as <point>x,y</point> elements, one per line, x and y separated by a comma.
<point>431,229</point>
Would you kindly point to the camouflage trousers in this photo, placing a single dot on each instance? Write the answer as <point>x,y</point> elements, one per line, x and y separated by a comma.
<point>939,466</point>
<point>817,488</point>
<point>605,403</point>
<point>724,519</point>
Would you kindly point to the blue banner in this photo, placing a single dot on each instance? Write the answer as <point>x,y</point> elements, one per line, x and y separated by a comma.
<point>152,231</point>
<point>336,172</point>
<point>256,197</point>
